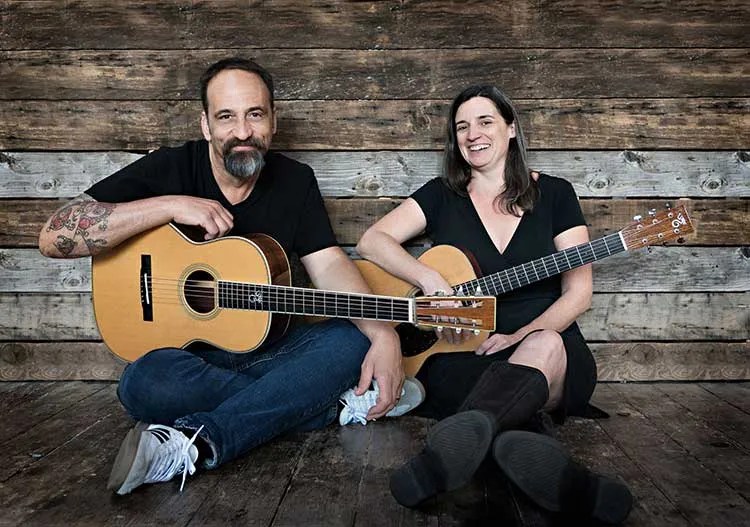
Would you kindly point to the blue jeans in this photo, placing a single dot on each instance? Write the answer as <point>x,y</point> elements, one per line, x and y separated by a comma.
<point>245,399</point>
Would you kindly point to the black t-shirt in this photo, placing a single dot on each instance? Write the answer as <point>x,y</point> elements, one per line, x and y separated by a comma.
<point>453,220</point>
<point>285,202</point>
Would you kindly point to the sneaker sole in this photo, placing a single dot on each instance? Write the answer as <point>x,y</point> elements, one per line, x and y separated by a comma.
<point>459,443</point>
<point>414,395</point>
<point>120,480</point>
<point>537,465</point>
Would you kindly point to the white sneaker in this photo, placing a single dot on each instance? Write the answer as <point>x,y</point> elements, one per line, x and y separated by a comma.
<point>151,454</point>
<point>356,406</point>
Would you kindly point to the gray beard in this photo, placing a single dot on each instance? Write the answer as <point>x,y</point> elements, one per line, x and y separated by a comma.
<point>244,165</point>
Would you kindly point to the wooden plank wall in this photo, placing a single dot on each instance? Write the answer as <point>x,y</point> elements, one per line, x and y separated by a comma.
<point>635,102</point>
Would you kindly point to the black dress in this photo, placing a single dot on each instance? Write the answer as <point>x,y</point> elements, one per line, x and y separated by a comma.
<point>453,220</point>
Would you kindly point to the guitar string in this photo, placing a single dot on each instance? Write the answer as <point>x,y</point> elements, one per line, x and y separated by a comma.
<point>166,291</point>
<point>207,288</point>
<point>371,307</point>
<point>172,297</point>
<point>495,283</point>
<point>371,313</point>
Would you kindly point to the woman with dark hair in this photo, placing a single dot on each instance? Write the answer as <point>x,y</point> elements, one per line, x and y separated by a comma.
<point>537,363</point>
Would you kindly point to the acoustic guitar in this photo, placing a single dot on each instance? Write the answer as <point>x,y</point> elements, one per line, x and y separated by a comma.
<point>458,271</point>
<point>162,289</point>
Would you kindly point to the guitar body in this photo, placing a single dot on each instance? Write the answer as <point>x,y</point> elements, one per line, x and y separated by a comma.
<point>456,268</point>
<point>176,320</point>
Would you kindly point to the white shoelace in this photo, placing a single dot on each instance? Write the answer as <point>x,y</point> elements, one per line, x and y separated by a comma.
<point>173,455</point>
<point>355,414</point>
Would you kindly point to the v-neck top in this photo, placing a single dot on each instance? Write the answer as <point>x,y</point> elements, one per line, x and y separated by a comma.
<point>452,219</point>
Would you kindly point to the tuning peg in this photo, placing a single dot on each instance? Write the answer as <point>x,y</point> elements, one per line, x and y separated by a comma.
<point>458,331</point>
<point>460,291</point>
<point>478,292</point>
<point>637,217</point>
<point>652,212</point>
<point>649,249</point>
<point>440,328</point>
<point>668,205</point>
<point>476,331</point>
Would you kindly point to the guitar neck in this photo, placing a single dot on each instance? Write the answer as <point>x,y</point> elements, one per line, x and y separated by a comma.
<point>303,301</point>
<point>541,268</point>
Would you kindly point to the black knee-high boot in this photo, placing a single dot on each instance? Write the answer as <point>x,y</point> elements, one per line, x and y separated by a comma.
<point>511,393</point>
<point>506,396</point>
<point>543,470</point>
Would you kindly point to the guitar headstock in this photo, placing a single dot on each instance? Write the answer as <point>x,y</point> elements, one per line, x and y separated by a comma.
<point>657,228</point>
<point>459,312</point>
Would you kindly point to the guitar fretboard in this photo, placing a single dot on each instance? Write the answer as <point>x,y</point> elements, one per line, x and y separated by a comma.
<point>541,268</point>
<point>301,301</point>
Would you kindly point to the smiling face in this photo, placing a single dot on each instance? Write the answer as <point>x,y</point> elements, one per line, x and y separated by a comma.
<point>240,122</point>
<point>482,134</point>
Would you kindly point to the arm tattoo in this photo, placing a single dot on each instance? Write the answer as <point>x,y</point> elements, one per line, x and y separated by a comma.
<point>81,218</point>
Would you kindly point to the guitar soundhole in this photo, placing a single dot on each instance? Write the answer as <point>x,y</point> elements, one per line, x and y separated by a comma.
<point>199,291</point>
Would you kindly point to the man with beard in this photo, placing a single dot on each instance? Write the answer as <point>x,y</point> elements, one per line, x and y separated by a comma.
<point>209,405</point>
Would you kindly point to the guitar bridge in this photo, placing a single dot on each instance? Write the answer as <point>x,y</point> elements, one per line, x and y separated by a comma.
<point>147,298</point>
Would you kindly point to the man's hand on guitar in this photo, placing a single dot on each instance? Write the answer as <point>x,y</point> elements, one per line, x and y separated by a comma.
<point>205,213</point>
<point>383,363</point>
<point>496,342</point>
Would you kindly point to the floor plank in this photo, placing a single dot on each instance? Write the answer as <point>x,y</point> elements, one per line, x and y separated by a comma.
<point>726,459</point>
<point>592,446</point>
<point>735,393</point>
<point>701,497</point>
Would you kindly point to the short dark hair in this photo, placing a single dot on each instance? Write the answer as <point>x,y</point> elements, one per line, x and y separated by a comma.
<point>234,63</point>
<point>521,191</point>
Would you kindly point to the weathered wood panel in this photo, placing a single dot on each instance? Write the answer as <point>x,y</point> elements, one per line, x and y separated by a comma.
<point>380,25</point>
<point>665,269</point>
<point>621,316</point>
<point>616,361</point>
<point>27,270</point>
<point>58,361</point>
<point>386,173</point>
<point>700,123</point>
<point>373,74</point>
<point>717,222</point>
<point>672,361</point>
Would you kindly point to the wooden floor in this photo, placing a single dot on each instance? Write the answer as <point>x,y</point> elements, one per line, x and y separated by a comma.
<point>684,449</point>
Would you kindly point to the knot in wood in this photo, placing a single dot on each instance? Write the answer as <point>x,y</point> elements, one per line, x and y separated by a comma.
<point>72,280</point>
<point>12,354</point>
<point>633,158</point>
<point>47,185</point>
<point>713,183</point>
<point>599,183</point>
<point>367,185</point>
